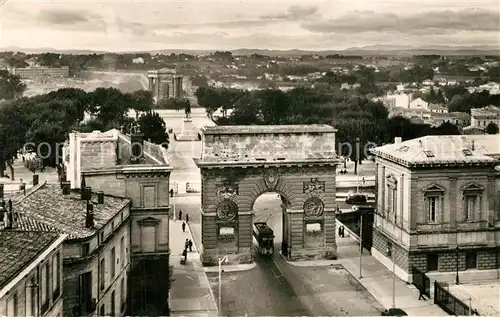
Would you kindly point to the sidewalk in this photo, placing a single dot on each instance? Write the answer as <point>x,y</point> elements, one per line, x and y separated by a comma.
<point>191,294</point>
<point>378,280</point>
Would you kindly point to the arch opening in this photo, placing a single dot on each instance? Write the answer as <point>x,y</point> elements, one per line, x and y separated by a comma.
<point>270,208</point>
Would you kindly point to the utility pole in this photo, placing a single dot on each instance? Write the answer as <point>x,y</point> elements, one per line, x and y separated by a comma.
<point>222,260</point>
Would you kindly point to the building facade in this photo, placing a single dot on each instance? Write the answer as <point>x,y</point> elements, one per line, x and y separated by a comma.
<point>41,72</point>
<point>30,273</point>
<point>481,117</point>
<point>438,207</point>
<point>95,252</point>
<point>128,166</point>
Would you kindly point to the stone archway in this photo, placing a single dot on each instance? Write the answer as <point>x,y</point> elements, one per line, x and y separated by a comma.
<point>239,163</point>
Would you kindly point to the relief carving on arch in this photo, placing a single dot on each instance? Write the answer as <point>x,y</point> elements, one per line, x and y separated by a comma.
<point>271,177</point>
<point>313,207</point>
<point>227,211</point>
<point>314,187</point>
<point>227,190</point>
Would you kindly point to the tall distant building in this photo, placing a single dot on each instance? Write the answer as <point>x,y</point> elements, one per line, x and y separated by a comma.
<point>165,83</point>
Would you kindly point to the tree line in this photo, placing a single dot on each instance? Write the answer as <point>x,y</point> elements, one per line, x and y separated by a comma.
<point>354,116</point>
<point>47,119</point>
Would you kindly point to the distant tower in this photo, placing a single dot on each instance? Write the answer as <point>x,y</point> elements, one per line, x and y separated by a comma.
<point>165,83</point>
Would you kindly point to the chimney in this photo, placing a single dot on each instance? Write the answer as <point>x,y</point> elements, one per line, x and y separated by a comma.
<point>87,193</point>
<point>1,191</point>
<point>89,217</point>
<point>100,197</point>
<point>398,140</point>
<point>83,184</point>
<point>66,188</point>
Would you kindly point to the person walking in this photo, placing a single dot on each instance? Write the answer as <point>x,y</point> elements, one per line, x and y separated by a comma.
<point>421,294</point>
<point>183,227</point>
<point>187,217</point>
<point>190,244</point>
<point>171,192</point>
<point>180,214</point>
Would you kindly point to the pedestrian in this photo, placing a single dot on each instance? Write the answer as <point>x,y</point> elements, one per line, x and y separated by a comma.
<point>171,192</point>
<point>183,227</point>
<point>363,180</point>
<point>190,244</point>
<point>421,294</point>
<point>338,209</point>
<point>186,244</point>
<point>180,214</point>
<point>340,231</point>
<point>185,255</point>
<point>187,217</point>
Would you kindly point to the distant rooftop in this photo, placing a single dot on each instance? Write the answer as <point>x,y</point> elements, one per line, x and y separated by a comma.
<point>443,150</point>
<point>268,129</point>
<point>47,209</point>
<point>19,248</point>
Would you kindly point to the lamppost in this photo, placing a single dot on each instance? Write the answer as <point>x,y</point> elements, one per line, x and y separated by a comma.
<point>457,278</point>
<point>361,246</point>
<point>221,260</point>
<point>393,279</point>
<point>173,196</point>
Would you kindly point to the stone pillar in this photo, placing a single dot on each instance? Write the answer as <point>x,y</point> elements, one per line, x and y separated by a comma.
<point>453,201</point>
<point>150,82</point>
<point>491,206</point>
<point>209,238</point>
<point>245,237</point>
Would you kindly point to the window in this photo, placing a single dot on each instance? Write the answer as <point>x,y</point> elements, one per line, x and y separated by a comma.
<point>471,204</point>
<point>113,226</point>
<point>12,303</point>
<point>56,264</point>
<point>467,152</point>
<point>85,293</point>
<point>102,311</point>
<point>101,237</point>
<point>471,260</point>
<point>102,275</point>
<point>113,299</point>
<point>112,262</point>
<point>428,153</point>
<point>31,297</point>
<point>432,262</point>
<point>45,287</point>
<point>122,294</point>
<point>433,208</point>
<point>122,251</point>
<point>85,249</point>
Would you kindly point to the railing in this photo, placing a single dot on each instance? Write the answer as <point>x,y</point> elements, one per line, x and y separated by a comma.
<point>421,282</point>
<point>449,303</point>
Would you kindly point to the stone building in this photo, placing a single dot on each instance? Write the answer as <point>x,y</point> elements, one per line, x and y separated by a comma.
<point>165,83</point>
<point>481,117</point>
<point>30,273</point>
<point>438,206</point>
<point>128,166</point>
<point>96,251</point>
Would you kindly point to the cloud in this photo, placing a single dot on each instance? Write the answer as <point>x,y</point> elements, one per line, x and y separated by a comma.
<point>433,21</point>
<point>132,28</point>
<point>293,13</point>
<point>65,18</point>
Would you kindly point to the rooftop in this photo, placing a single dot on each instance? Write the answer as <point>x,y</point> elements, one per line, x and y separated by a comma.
<point>19,249</point>
<point>488,110</point>
<point>47,209</point>
<point>268,129</point>
<point>442,150</point>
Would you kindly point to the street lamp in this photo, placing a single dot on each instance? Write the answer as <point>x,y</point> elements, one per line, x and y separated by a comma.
<point>221,260</point>
<point>173,196</point>
<point>457,278</point>
<point>393,279</point>
<point>361,246</point>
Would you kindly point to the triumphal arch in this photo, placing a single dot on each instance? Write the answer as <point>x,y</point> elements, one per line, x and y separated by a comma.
<point>239,163</point>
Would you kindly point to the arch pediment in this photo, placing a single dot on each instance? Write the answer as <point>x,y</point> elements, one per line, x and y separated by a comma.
<point>472,187</point>
<point>434,188</point>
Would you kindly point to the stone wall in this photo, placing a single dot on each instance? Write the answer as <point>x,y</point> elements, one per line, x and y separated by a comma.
<point>400,254</point>
<point>97,154</point>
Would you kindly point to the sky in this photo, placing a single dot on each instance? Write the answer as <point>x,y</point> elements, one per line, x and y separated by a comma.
<point>137,25</point>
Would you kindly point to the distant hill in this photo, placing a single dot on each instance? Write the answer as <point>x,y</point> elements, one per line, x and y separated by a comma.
<point>374,50</point>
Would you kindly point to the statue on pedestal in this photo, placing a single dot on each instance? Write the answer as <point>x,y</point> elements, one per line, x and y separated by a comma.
<point>187,110</point>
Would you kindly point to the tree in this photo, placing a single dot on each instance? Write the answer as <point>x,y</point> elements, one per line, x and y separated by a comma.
<point>172,103</point>
<point>446,128</point>
<point>153,127</point>
<point>140,101</point>
<point>34,164</point>
<point>11,86</point>
<point>109,106</point>
<point>492,128</point>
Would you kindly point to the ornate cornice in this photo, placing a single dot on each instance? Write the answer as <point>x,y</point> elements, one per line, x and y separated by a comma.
<point>234,173</point>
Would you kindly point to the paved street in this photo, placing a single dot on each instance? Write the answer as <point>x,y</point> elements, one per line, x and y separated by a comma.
<point>279,289</point>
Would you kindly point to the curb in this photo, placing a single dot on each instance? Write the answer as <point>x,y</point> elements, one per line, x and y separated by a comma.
<point>309,263</point>
<point>230,268</point>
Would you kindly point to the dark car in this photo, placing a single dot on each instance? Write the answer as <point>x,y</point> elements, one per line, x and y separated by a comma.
<point>356,199</point>
<point>363,208</point>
